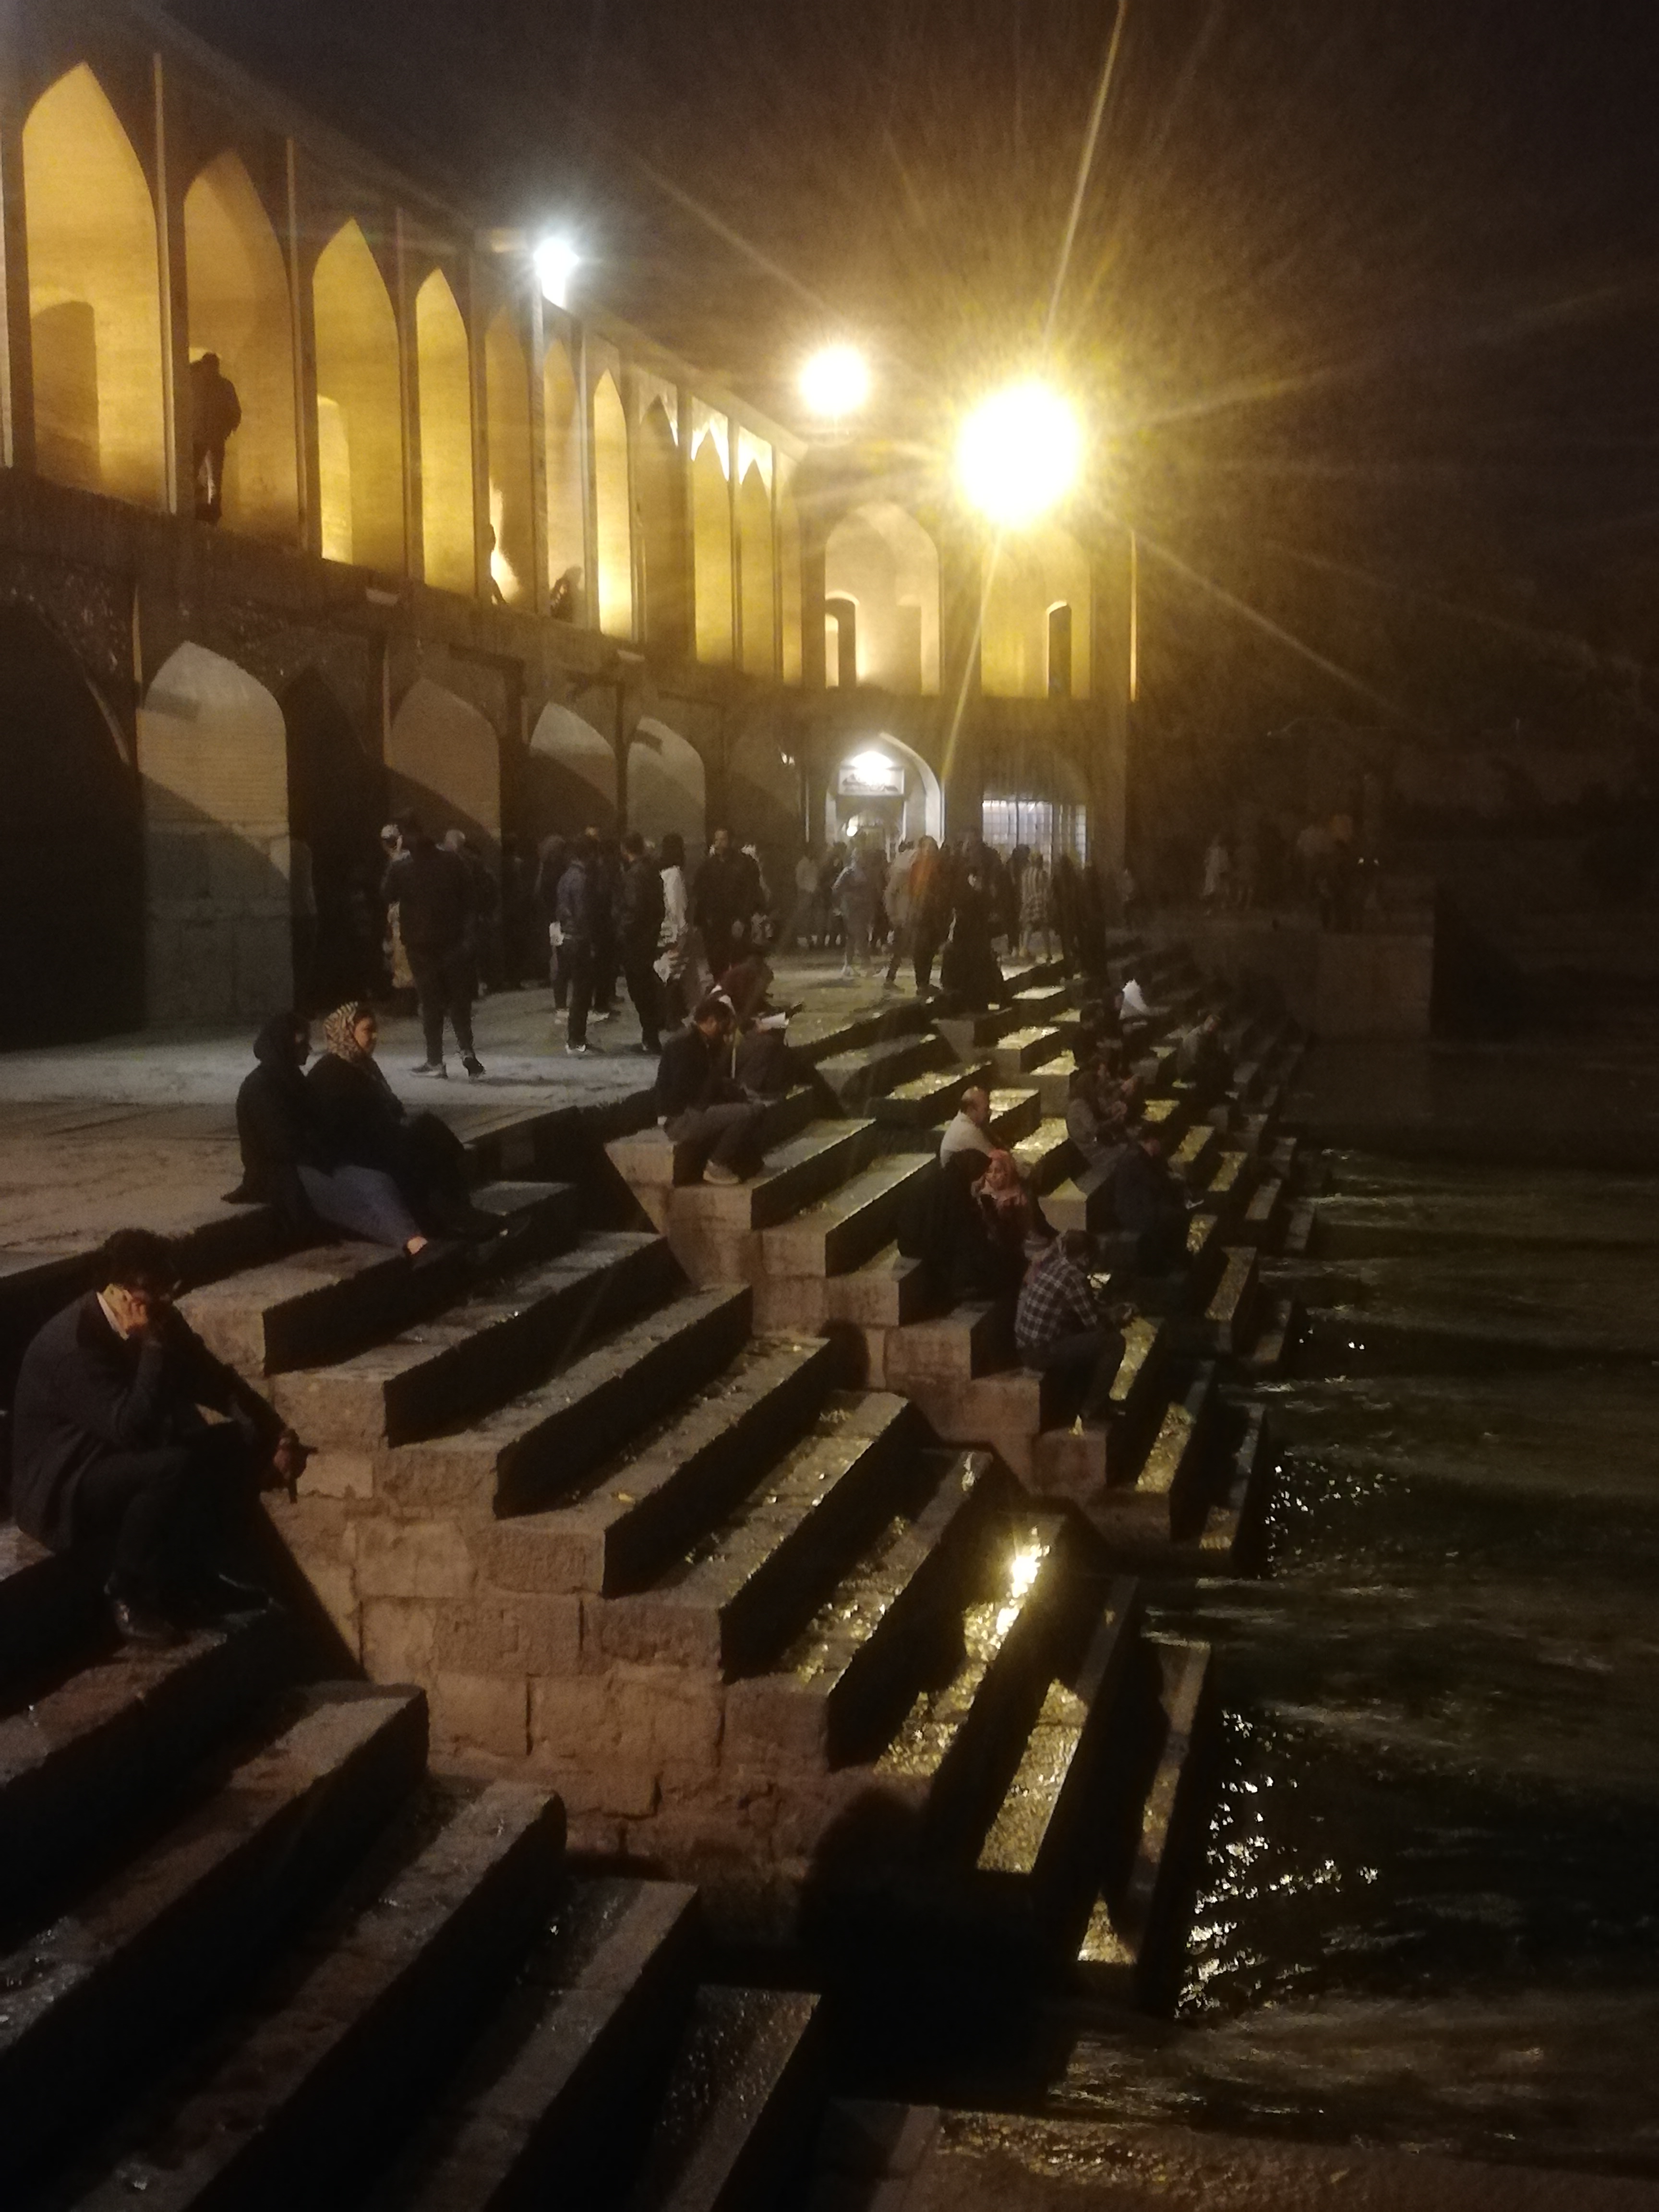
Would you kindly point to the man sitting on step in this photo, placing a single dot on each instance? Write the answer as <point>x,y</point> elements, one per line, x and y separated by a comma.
<point>1062,1326</point>
<point>1149,1203</point>
<point>112,1461</point>
<point>970,1131</point>
<point>703,1112</point>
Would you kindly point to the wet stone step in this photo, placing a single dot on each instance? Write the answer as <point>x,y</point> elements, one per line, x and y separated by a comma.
<point>845,1228</point>
<point>734,1597</point>
<point>741,2107</point>
<point>49,1608</point>
<point>839,1691</point>
<point>794,1175</point>
<point>857,1079</point>
<point>926,1102</point>
<point>314,2095</point>
<point>1020,1051</point>
<point>550,1438</point>
<point>617,1530</point>
<point>1046,1155</point>
<point>95,1999</point>
<point>887,1292</point>
<point>1015,1114</point>
<point>488,1347</point>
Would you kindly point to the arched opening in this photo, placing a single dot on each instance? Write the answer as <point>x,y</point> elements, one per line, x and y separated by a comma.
<point>571,776</point>
<point>789,587</point>
<point>239,309</point>
<point>666,788</point>
<point>764,804</point>
<point>360,407</point>
<point>94,297</point>
<point>841,643</point>
<point>1035,796</point>
<point>444,763</point>
<point>1028,580</point>
<point>447,531</point>
<point>565,533</point>
<point>1060,650</point>
<point>71,859</point>
<point>755,568</point>
<point>883,788</point>
<point>711,524</point>
<point>507,376</point>
<point>616,537</point>
<point>336,802</point>
<point>882,558</point>
<point>662,530</point>
<point>222,894</point>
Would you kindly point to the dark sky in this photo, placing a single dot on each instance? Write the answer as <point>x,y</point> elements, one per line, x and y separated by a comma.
<point>1365,295</point>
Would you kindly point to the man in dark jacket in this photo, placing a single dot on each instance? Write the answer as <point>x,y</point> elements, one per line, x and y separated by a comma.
<point>723,902</point>
<point>434,896</point>
<point>215,417</point>
<point>112,1460</point>
<point>581,923</point>
<point>703,1112</point>
<point>640,911</point>
<point>1150,1204</point>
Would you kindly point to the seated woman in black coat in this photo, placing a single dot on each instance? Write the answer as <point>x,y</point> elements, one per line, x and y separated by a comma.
<point>289,1161</point>
<point>366,1126</point>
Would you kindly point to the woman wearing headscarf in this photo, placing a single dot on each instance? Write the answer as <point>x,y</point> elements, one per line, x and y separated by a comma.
<point>368,1127</point>
<point>289,1161</point>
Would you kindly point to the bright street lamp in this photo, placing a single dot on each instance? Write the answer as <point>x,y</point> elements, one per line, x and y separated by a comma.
<point>557,263</point>
<point>1019,454</point>
<point>835,383</point>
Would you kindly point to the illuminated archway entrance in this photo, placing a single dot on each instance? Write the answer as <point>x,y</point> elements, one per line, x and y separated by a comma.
<point>359,407</point>
<point>239,309</point>
<point>446,433</point>
<point>883,787</point>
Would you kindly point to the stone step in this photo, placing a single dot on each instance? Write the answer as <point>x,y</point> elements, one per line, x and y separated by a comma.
<point>1265,1215</point>
<point>328,2071</point>
<point>922,1106</point>
<point>84,1760</point>
<point>1231,1528</point>
<point>1046,1155</point>
<point>744,1587</point>
<point>491,1346</point>
<point>824,1155</point>
<point>49,1608</point>
<point>1162,1503</point>
<point>972,1339</point>
<point>1015,1114</point>
<point>1044,1840</point>
<point>856,1079</point>
<point>652,1168</point>
<point>1082,1202</point>
<point>814,1037</point>
<point>1194,1157</point>
<point>740,2108</point>
<point>1230,1316</point>
<point>1021,1050</point>
<point>887,1292</point>
<point>844,1229</point>
<point>625,1523</point>
<point>839,1691</point>
<point>1078,1460</point>
<point>330,1300</point>
<point>1276,1338</point>
<point>1230,1183</point>
<point>971,1035</point>
<point>100,1993</point>
<point>1054,1082</point>
<point>525,1452</point>
<point>565,2077</point>
<point>1042,1002</point>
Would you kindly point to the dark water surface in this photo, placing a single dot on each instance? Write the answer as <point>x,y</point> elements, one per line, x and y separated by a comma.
<point>1431,1909</point>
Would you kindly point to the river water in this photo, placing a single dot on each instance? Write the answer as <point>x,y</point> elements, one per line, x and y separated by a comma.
<point>1430,1914</point>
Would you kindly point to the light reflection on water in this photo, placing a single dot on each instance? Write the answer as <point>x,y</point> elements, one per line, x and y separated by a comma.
<point>1431,1911</point>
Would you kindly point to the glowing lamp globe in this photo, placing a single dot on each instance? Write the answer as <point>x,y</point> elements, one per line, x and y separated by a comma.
<point>835,382</point>
<point>1019,454</point>
<point>557,263</point>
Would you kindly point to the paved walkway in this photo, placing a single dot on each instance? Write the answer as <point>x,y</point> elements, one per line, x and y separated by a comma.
<point>142,1129</point>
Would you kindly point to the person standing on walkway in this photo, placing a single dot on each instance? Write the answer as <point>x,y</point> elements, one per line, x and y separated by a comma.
<point>582,890</point>
<point>640,908</point>
<point>113,1463</point>
<point>857,900</point>
<point>215,415</point>
<point>901,910</point>
<point>434,895</point>
<point>722,900</point>
<point>806,923</point>
<point>702,1110</point>
<point>930,911</point>
<point>1036,903</point>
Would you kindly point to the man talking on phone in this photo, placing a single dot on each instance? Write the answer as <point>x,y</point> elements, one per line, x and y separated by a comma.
<point>114,1463</point>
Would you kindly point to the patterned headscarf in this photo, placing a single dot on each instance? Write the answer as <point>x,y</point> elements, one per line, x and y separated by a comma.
<point>338,1034</point>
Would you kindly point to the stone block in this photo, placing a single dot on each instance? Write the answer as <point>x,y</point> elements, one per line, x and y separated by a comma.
<point>482,1712</point>
<point>573,1722</point>
<point>338,1474</point>
<point>456,1473</point>
<point>397,1640</point>
<point>505,1635</point>
<point>177,865</point>
<point>772,1722</point>
<point>414,1559</point>
<point>335,1589</point>
<point>536,1555</point>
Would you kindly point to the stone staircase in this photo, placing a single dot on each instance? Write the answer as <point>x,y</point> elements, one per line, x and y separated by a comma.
<point>254,1953</point>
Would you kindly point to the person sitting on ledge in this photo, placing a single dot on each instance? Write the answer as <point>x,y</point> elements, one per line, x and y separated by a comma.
<point>702,1110</point>
<point>287,1161</point>
<point>969,1128</point>
<point>1203,1060</point>
<point>113,1463</point>
<point>762,1063</point>
<point>1150,1204</point>
<point>944,1225</point>
<point>1013,1219</point>
<point>1062,1326</point>
<point>364,1124</point>
<point>1097,1116</point>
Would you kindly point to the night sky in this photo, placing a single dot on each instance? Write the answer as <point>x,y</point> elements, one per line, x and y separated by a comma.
<point>1364,296</point>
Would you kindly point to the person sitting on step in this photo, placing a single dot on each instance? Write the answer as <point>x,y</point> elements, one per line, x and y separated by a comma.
<point>1150,1204</point>
<point>113,1463</point>
<point>970,1129</point>
<point>1097,1116</point>
<point>1204,1061</point>
<point>1061,1325</point>
<point>705,1113</point>
<point>761,1063</point>
<point>943,1225</point>
<point>1012,1216</point>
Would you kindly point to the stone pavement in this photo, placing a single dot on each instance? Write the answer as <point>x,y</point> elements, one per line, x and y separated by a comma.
<point>141,1128</point>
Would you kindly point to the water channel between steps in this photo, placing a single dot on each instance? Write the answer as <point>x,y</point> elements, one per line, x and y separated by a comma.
<point>1429,1911</point>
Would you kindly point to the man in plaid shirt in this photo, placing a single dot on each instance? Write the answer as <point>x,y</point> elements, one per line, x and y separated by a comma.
<point>1060,1324</point>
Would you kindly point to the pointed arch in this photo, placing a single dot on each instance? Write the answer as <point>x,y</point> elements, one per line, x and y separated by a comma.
<point>237,282</point>
<point>616,537</point>
<point>507,383</point>
<point>359,406</point>
<point>882,560</point>
<point>71,858</point>
<point>448,534</point>
<point>1034,575</point>
<point>94,297</point>
<point>573,776</point>
<point>711,529</point>
<point>223,895</point>
<point>755,569</point>
<point>662,530</point>
<point>789,584</point>
<point>666,786</point>
<point>565,533</point>
<point>444,763</point>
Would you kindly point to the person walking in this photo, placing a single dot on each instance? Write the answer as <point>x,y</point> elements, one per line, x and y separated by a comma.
<point>1035,917</point>
<point>640,907</point>
<point>930,911</point>
<point>215,416</point>
<point>805,923</point>
<point>434,896</point>
<point>901,911</point>
<point>580,892</point>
